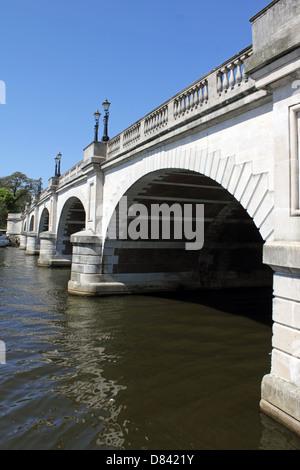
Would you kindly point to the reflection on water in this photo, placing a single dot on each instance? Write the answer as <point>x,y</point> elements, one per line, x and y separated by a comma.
<point>131,372</point>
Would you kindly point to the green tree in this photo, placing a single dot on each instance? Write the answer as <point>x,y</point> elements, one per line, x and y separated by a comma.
<point>7,198</point>
<point>15,191</point>
<point>7,204</point>
<point>18,183</point>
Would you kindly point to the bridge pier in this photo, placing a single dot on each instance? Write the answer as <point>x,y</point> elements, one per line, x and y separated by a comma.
<point>47,248</point>
<point>93,274</point>
<point>48,254</point>
<point>274,65</point>
<point>86,263</point>
<point>32,243</point>
<point>23,240</point>
<point>87,278</point>
<point>281,388</point>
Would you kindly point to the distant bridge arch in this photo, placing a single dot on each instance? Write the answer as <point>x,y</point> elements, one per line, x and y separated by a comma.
<point>31,223</point>
<point>44,221</point>
<point>72,219</point>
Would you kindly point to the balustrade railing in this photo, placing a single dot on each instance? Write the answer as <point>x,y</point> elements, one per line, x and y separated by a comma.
<point>232,75</point>
<point>70,174</point>
<point>156,120</point>
<point>113,145</point>
<point>208,91</point>
<point>132,134</point>
<point>191,99</point>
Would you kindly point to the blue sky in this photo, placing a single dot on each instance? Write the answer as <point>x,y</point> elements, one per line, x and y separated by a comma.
<point>60,59</point>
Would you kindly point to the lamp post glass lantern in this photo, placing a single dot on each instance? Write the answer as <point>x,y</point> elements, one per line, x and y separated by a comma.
<point>106,106</point>
<point>57,164</point>
<point>97,116</point>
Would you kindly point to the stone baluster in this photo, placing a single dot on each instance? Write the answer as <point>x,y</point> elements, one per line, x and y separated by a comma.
<point>175,108</point>
<point>205,91</point>
<point>148,122</point>
<point>225,79</point>
<point>192,98</point>
<point>153,121</point>
<point>244,75</point>
<point>201,97</point>
<point>159,118</point>
<point>219,83</point>
<point>239,76</point>
<point>231,67</point>
<point>188,104</point>
<point>196,99</point>
<point>181,105</point>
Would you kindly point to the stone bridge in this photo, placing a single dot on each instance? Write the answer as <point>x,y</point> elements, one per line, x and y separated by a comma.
<point>229,142</point>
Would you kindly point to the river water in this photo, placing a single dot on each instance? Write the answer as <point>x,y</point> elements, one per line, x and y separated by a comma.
<point>172,372</point>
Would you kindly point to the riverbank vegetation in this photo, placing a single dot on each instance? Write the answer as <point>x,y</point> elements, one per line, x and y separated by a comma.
<point>15,191</point>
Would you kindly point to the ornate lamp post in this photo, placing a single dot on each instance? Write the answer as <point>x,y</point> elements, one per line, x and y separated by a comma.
<point>106,106</point>
<point>39,188</point>
<point>57,164</point>
<point>97,116</point>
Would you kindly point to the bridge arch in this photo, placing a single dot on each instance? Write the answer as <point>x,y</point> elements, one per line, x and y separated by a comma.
<point>44,221</point>
<point>31,223</point>
<point>251,188</point>
<point>72,219</point>
<point>232,251</point>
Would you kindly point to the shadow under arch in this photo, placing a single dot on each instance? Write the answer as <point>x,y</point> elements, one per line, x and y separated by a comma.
<point>231,256</point>
<point>72,220</point>
<point>44,221</point>
<point>31,224</point>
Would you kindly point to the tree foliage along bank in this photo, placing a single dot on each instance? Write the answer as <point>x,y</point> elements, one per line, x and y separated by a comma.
<point>15,191</point>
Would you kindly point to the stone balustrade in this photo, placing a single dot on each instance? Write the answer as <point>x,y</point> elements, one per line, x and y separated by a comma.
<point>113,145</point>
<point>156,120</point>
<point>132,134</point>
<point>232,75</point>
<point>191,99</point>
<point>206,93</point>
<point>69,175</point>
